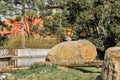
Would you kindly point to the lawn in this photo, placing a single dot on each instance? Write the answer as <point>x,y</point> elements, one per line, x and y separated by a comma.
<point>54,72</point>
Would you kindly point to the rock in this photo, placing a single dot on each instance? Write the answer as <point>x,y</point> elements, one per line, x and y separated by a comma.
<point>2,77</point>
<point>111,64</point>
<point>72,52</point>
<point>5,69</point>
<point>6,76</point>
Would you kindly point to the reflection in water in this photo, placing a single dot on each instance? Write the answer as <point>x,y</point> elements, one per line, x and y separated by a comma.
<point>21,62</point>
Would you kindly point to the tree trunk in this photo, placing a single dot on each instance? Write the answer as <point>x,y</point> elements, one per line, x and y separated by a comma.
<point>22,26</point>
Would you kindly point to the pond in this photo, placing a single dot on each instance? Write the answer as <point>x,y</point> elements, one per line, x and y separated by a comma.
<point>26,57</point>
<point>21,62</point>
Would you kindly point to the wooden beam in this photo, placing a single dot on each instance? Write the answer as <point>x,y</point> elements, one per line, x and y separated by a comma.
<point>5,57</point>
<point>21,68</point>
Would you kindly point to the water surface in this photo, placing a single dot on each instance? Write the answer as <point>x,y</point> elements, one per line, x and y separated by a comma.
<point>21,62</point>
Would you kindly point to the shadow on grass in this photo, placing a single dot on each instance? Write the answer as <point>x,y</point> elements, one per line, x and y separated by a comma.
<point>98,78</point>
<point>87,71</point>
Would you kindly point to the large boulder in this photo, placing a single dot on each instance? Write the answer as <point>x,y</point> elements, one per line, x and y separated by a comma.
<point>111,64</point>
<point>72,52</point>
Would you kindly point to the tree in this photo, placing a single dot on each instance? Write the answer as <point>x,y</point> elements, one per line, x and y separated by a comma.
<point>20,8</point>
<point>52,22</point>
<point>95,20</point>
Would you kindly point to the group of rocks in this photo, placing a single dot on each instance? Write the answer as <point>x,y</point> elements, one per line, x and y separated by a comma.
<point>81,51</point>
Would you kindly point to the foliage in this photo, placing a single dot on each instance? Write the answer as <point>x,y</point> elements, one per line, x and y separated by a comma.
<point>18,18</point>
<point>15,42</point>
<point>98,19</point>
<point>34,29</point>
<point>1,7</point>
<point>12,42</point>
<point>53,25</point>
<point>7,8</point>
<point>40,5</point>
<point>3,37</point>
<point>44,72</point>
<point>95,20</point>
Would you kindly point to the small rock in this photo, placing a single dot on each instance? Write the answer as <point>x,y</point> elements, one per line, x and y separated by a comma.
<point>5,75</point>
<point>2,77</point>
<point>5,69</point>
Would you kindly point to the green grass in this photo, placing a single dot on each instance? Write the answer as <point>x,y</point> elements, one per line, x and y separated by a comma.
<point>44,72</point>
<point>15,42</point>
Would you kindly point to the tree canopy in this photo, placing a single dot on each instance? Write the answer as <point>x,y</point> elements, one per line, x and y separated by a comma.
<point>95,20</point>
